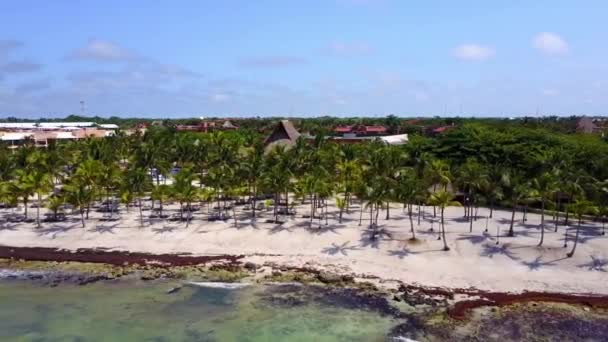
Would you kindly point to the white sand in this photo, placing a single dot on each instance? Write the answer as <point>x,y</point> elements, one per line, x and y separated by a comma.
<point>474,260</point>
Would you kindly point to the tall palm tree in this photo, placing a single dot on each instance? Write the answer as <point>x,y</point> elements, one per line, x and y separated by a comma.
<point>23,187</point>
<point>580,208</point>
<point>518,193</point>
<point>80,195</point>
<point>472,177</point>
<point>41,183</point>
<point>437,172</point>
<point>408,192</point>
<point>185,192</point>
<point>109,178</point>
<point>443,199</point>
<point>137,181</point>
<point>161,193</point>
<point>544,187</point>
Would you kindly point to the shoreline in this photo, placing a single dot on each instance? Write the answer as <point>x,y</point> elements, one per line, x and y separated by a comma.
<point>458,302</point>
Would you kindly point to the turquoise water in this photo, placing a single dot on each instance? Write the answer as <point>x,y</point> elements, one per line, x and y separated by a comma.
<point>143,311</point>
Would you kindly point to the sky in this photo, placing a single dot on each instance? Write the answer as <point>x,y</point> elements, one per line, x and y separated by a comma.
<point>303,58</point>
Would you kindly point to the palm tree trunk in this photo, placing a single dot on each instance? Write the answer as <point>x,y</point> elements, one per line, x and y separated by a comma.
<point>371,216</point>
<point>388,208</point>
<point>567,213</point>
<point>253,201</point>
<point>361,213</point>
<point>409,213</point>
<point>578,228</point>
<point>445,244</point>
<point>160,206</point>
<point>236,223</point>
<point>25,207</point>
<point>419,213</point>
<point>38,211</point>
<point>141,214</point>
<point>511,231</point>
<point>82,216</point>
<point>189,214</point>
<point>542,223</point>
<point>312,210</point>
<point>277,198</point>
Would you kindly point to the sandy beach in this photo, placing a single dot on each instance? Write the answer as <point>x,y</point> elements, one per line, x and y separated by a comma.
<point>474,260</point>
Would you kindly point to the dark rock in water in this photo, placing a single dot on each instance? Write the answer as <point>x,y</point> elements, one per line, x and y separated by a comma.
<point>174,289</point>
<point>544,324</point>
<point>396,298</point>
<point>348,278</point>
<point>329,278</point>
<point>91,279</point>
<point>250,266</point>
<point>347,298</point>
<point>412,329</point>
<point>276,273</point>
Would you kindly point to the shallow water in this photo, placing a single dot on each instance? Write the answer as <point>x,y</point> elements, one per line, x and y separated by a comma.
<point>143,311</point>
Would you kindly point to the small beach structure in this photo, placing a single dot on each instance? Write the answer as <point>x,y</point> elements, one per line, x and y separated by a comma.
<point>283,134</point>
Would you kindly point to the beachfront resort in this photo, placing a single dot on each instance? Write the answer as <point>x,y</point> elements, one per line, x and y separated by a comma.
<point>502,210</point>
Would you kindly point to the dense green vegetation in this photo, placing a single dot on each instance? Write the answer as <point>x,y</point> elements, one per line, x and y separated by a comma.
<point>478,163</point>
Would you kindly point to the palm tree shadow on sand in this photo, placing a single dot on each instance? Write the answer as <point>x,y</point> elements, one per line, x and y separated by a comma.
<point>55,230</point>
<point>104,228</point>
<point>343,249</point>
<point>402,253</point>
<point>538,263</point>
<point>164,229</point>
<point>596,264</point>
<point>476,239</point>
<point>490,250</point>
<point>372,237</point>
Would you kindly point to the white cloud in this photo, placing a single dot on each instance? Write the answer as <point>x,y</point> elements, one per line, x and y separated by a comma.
<point>271,61</point>
<point>550,92</point>
<point>349,49</point>
<point>220,97</point>
<point>550,43</point>
<point>103,51</point>
<point>473,52</point>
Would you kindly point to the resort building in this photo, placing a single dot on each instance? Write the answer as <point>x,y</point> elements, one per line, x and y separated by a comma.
<point>207,126</point>
<point>591,125</point>
<point>40,134</point>
<point>286,134</point>
<point>361,130</point>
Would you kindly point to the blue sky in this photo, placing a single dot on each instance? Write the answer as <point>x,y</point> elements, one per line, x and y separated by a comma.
<point>308,58</point>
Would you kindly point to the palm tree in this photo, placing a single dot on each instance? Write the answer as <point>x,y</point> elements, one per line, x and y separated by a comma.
<point>54,203</point>
<point>23,187</point>
<point>443,199</point>
<point>109,177</point>
<point>408,192</point>
<point>161,193</point>
<point>519,193</point>
<point>544,187</point>
<point>580,208</point>
<point>437,172</point>
<point>185,192</point>
<point>80,195</point>
<point>497,176</point>
<point>41,183</point>
<point>472,177</point>
<point>137,181</point>
<point>253,169</point>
